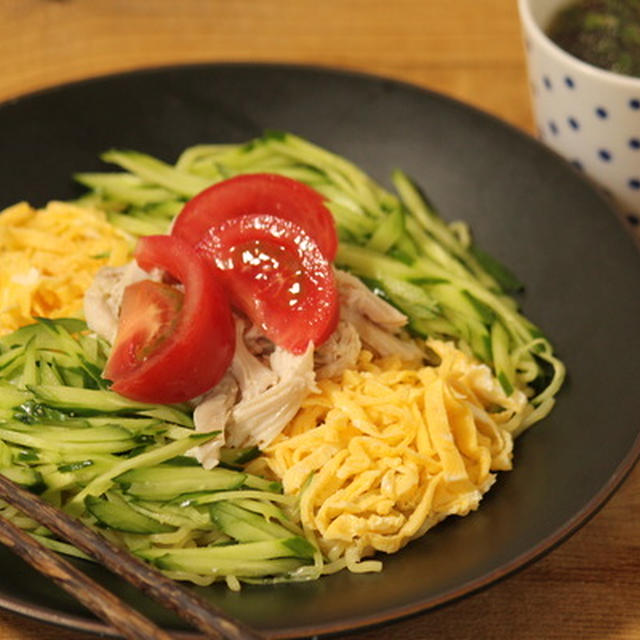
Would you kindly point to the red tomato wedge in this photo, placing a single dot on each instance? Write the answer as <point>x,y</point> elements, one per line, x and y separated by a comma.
<point>171,346</point>
<point>277,275</point>
<point>259,193</point>
<point>149,314</point>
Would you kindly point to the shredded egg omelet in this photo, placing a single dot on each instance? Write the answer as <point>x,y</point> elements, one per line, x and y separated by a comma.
<point>48,258</point>
<point>392,451</point>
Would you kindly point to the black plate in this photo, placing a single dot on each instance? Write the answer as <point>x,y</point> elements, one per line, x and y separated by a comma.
<point>525,205</point>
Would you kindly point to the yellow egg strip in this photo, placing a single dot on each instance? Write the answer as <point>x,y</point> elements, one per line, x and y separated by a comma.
<point>392,451</point>
<point>48,258</point>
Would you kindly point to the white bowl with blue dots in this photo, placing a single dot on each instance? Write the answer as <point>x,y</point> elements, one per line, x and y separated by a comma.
<point>588,115</point>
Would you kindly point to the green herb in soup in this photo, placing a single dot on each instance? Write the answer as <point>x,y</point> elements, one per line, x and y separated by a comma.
<point>604,33</point>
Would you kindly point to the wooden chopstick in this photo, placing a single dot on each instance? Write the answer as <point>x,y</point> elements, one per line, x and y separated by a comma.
<point>212,621</point>
<point>129,622</point>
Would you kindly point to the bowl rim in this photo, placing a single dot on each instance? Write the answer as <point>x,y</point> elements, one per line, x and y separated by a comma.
<point>533,28</point>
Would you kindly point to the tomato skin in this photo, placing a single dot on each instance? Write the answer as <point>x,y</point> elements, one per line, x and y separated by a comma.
<point>259,193</point>
<point>192,344</point>
<point>277,275</point>
<point>159,304</point>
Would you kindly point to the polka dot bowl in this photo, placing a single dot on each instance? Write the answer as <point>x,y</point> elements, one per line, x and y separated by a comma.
<point>586,114</point>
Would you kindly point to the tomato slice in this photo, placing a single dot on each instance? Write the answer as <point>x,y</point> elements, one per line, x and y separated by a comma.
<point>171,346</point>
<point>259,193</point>
<point>276,274</point>
<point>156,303</point>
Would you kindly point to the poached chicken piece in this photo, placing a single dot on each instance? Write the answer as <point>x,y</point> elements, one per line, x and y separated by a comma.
<point>255,400</point>
<point>376,322</point>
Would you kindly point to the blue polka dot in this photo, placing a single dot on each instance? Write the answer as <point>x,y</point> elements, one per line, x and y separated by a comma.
<point>601,112</point>
<point>634,143</point>
<point>634,183</point>
<point>577,164</point>
<point>634,103</point>
<point>553,127</point>
<point>568,80</point>
<point>573,123</point>
<point>547,82</point>
<point>605,155</point>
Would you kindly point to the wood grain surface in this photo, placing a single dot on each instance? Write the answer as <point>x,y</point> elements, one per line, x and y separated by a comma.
<point>589,587</point>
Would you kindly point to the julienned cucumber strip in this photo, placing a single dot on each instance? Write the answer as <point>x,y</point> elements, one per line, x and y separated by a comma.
<point>61,547</point>
<point>116,513</point>
<point>500,352</point>
<point>167,482</point>
<point>153,170</point>
<point>138,225</point>
<point>24,476</point>
<point>502,275</point>
<point>287,547</point>
<point>199,562</point>
<point>12,396</point>
<point>34,440</point>
<point>244,525</point>
<point>190,518</point>
<point>204,498</point>
<point>154,456</point>
<point>269,510</point>
<point>53,352</point>
<point>388,232</point>
<point>124,186</point>
<point>94,401</point>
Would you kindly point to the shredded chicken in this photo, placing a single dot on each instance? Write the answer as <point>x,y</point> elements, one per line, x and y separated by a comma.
<point>252,375</point>
<point>255,400</point>
<point>380,340</point>
<point>103,298</point>
<point>212,414</point>
<point>377,323</point>
<point>260,419</point>
<point>359,299</point>
<point>339,352</point>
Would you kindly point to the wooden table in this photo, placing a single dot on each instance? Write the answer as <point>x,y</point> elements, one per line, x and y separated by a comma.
<point>589,588</point>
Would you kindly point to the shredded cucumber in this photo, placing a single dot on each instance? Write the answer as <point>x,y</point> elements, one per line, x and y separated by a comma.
<point>121,466</point>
